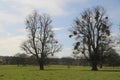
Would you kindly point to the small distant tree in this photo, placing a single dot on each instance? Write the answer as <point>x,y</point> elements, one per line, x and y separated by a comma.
<point>1,62</point>
<point>91,30</point>
<point>20,58</point>
<point>41,40</point>
<point>67,61</point>
<point>22,55</point>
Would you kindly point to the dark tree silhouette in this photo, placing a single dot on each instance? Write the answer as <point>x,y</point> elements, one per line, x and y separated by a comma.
<point>20,58</point>
<point>41,40</point>
<point>91,30</point>
<point>112,58</point>
<point>104,49</point>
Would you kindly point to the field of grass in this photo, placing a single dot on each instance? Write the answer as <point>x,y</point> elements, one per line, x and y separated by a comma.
<point>13,72</point>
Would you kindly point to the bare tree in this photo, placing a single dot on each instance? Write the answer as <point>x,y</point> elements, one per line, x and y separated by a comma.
<point>41,40</point>
<point>91,31</point>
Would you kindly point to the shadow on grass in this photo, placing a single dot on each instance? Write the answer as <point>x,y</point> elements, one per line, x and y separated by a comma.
<point>48,70</point>
<point>56,69</point>
<point>1,75</point>
<point>103,70</point>
<point>76,70</point>
<point>69,69</point>
<point>110,70</point>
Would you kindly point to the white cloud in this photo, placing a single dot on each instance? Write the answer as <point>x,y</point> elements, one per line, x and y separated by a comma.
<point>11,45</point>
<point>53,7</point>
<point>21,8</point>
<point>2,29</point>
<point>114,34</point>
<point>9,18</point>
<point>57,29</point>
<point>76,1</point>
<point>3,32</point>
<point>66,52</point>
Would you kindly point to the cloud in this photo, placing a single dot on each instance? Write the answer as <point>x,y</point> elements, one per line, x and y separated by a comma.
<point>57,29</point>
<point>19,9</point>
<point>53,7</point>
<point>66,52</point>
<point>76,1</point>
<point>11,45</point>
<point>114,34</point>
<point>9,18</point>
<point>3,32</point>
<point>2,29</point>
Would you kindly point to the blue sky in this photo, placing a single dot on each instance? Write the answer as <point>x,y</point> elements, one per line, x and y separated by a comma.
<point>62,12</point>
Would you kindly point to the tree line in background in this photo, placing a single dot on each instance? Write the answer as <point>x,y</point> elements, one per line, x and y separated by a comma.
<point>91,31</point>
<point>21,59</point>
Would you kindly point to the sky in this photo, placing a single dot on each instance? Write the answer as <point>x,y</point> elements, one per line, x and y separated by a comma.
<point>14,12</point>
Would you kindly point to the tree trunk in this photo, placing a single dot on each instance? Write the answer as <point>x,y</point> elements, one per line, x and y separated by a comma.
<point>101,65</point>
<point>94,66</point>
<point>41,64</point>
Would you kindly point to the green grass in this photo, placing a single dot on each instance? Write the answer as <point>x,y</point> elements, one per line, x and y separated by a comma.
<point>12,72</point>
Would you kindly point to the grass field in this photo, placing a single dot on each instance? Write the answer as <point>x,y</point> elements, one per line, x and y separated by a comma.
<point>13,72</point>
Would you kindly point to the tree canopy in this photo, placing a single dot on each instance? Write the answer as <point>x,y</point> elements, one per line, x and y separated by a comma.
<point>41,38</point>
<point>91,30</point>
